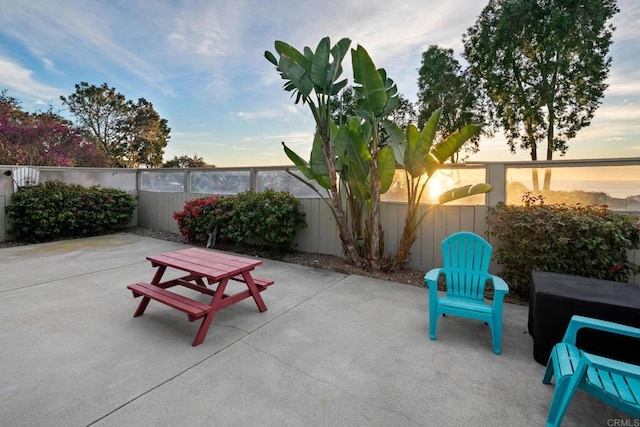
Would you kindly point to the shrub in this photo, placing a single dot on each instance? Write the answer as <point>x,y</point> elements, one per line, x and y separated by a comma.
<point>590,241</point>
<point>269,219</point>
<point>54,210</point>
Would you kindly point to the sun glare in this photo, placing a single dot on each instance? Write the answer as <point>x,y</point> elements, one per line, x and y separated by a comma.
<point>438,184</point>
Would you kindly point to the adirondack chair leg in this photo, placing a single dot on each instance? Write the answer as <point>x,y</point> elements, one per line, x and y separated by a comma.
<point>496,332</point>
<point>433,322</point>
<point>556,413</point>
<point>548,374</point>
<point>496,335</point>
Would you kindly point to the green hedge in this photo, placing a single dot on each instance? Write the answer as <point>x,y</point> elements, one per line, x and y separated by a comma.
<point>590,241</point>
<point>269,219</point>
<point>55,210</point>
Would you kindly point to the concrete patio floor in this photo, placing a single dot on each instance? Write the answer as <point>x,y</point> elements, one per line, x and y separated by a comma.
<point>332,350</point>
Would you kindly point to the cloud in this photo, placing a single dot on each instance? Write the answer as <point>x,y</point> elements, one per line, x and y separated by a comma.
<point>21,80</point>
<point>285,112</point>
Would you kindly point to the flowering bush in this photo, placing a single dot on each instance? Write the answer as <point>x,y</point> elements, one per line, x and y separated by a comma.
<point>590,241</point>
<point>202,216</point>
<point>267,219</point>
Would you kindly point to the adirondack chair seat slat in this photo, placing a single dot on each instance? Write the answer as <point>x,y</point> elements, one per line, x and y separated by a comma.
<point>614,382</point>
<point>466,275</point>
<point>463,304</point>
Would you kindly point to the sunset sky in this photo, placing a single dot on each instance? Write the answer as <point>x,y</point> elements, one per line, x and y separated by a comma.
<point>201,64</point>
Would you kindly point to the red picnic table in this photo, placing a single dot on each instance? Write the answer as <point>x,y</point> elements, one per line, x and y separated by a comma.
<point>204,268</point>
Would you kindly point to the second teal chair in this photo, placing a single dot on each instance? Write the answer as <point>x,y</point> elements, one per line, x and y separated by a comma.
<point>466,259</point>
<point>615,383</point>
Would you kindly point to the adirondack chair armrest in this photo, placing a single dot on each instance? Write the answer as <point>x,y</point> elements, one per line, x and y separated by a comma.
<point>500,289</point>
<point>499,285</point>
<point>579,322</point>
<point>611,365</point>
<point>431,279</point>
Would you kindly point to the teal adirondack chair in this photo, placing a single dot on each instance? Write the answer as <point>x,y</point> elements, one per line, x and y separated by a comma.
<point>615,383</point>
<point>466,272</point>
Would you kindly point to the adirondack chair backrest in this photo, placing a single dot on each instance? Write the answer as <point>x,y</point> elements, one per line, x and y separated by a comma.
<point>25,176</point>
<point>466,259</point>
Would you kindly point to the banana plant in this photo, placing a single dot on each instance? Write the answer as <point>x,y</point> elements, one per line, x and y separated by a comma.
<point>313,77</point>
<point>376,97</point>
<point>355,166</point>
<point>421,157</point>
<point>354,152</point>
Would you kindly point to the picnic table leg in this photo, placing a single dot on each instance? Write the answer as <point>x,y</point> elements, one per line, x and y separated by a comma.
<point>158,275</point>
<point>204,327</point>
<point>206,322</point>
<point>254,291</point>
<point>142,306</point>
<point>145,300</point>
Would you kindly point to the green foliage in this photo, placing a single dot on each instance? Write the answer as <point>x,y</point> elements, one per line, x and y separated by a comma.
<point>129,134</point>
<point>54,210</point>
<point>443,85</point>
<point>589,241</point>
<point>421,156</point>
<point>313,77</point>
<point>203,216</point>
<point>544,66</point>
<point>269,219</point>
<point>185,161</point>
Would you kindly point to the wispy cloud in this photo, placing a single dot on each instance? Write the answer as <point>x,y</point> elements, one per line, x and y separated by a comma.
<point>285,112</point>
<point>21,80</point>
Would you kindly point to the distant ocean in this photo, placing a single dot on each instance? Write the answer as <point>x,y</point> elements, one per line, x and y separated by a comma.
<point>617,189</point>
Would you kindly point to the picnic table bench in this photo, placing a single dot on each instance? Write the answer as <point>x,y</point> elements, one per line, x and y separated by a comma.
<point>204,268</point>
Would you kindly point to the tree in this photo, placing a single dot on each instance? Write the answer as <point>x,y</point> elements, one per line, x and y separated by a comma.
<point>148,135</point>
<point>128,133</point>
<point>442,84</point>
<point>354,150</point>
<point>186,162</point>
<point>422,153</point>
<point>543,64</point>
<point>42,139</point>
<point>313,77</point>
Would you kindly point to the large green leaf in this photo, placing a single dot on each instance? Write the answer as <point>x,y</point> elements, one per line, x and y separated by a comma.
<point>372,94</point>
<point>415,151</point>
<point>358,183</point>
<point>338,52</point>
<point>386,168</point>
<point>320,67</point>
<point>294,67</point>
<point>299,162</point>
<point>395,140</point>
<point>356,148</point>
<point>465,191</point>
<point>318,163</point>
<point>455,141</point>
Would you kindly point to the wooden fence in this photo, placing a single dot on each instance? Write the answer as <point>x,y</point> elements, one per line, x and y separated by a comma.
<point>156,205</point>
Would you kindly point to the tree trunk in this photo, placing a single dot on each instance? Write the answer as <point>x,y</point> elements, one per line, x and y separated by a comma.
<point>374,215</point>
<point>346,237</point>
<point>547,179</point>
<point>547,171</point>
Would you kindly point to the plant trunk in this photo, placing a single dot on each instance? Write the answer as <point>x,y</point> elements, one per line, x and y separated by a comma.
<point>346,237</point>
<point>374,216</point>
<point>547,171</point>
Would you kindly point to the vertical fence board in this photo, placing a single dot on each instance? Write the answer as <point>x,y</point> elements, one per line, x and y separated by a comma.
<point>3,219</point>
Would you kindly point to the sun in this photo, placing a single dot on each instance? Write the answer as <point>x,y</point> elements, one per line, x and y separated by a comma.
<point>437,185</point>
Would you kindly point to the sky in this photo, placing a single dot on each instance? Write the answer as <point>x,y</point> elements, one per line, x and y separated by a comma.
<point>201,64</point>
